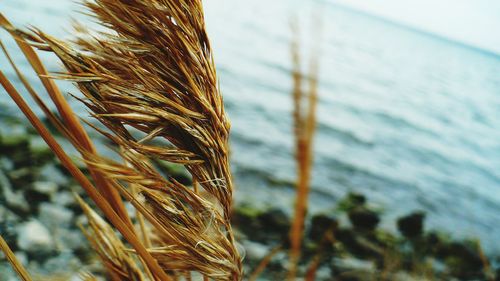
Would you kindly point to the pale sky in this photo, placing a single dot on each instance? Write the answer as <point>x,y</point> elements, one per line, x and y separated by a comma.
<point>474,22</point>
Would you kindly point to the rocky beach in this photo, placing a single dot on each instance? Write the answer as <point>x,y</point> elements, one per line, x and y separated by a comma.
<point>40,220</point>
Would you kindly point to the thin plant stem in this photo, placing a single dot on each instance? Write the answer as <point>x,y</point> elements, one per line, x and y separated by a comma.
<point>18,267</point>
<point>264,263</point>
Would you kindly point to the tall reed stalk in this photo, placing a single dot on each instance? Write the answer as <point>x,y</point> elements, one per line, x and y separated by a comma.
<point>304,117</point>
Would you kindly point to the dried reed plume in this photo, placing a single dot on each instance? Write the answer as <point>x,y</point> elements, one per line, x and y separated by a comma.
<point>304,117</point>
<point>150,79</point>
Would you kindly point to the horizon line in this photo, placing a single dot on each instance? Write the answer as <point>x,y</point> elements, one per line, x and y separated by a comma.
<point>415,29</point>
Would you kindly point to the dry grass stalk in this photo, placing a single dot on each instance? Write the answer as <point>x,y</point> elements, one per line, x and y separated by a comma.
<point>304,128</point>
<point>264,263</point>
<point>151,72</point>
<point>328,238</point>
<point>119,263</point>
<point>87,277</point>
<point>487,270</point>
<point>18,267</point>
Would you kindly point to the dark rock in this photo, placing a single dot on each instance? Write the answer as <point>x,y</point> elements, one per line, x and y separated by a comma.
<point>463,260</point>
<point>262,225</point>
<point>358,244</point>
<point>40,151</point>
<point>320,224</point>
<point>49,125</point>
<point>354,276</point>
<point>352,201</point>
<point>35,198</point>
<point>433,239</point>
<point>363,219</point>
<point>84,254</point>
<point>411,225</point>
<point>22,177</point>
<point>16,148</point>
<point>245,218</point>
<point>275,223</point>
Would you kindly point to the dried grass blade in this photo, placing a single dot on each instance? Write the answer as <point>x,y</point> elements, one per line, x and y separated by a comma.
<point>264,263</point>
<point>328,237</point>
<point>18,267</point>
<point>118,262</point>
<point>53,119</point>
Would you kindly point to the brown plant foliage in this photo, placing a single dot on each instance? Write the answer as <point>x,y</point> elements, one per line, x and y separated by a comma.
<point>150,79</point>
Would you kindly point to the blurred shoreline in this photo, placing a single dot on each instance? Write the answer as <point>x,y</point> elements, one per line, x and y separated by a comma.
<point>39,218</point>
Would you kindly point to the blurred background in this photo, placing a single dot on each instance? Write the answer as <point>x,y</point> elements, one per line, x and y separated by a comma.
<point>408,110</point>
<point>409,102</point>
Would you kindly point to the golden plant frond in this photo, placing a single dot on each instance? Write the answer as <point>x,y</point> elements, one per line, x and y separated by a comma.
<point>117,261</point>
<point>150,79</point>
